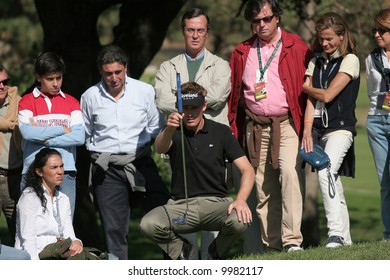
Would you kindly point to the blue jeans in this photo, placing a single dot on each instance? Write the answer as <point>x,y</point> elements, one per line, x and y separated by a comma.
<point>10,253</point>
<point>378,132</point>
<point>68,187</point>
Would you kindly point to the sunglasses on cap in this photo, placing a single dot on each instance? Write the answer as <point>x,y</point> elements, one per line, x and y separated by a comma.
<point>380,30</point>
<point>5,82</point>
<point>267,19</point>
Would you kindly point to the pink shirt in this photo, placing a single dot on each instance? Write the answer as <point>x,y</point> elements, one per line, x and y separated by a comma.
<point>275,104</point>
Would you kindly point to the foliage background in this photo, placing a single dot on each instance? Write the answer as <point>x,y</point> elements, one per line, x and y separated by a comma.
<point>21,35</point>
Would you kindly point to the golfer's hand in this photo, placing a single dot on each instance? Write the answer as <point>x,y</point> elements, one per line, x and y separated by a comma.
<point>174,120</point>
<point>243,212</point>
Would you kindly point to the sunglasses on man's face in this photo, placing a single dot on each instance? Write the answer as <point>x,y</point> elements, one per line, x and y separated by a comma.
<point>5,82</point>
<point>380,30</point>
<point>264,19</point>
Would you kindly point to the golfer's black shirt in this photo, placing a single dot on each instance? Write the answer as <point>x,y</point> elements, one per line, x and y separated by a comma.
<point>205,158</point>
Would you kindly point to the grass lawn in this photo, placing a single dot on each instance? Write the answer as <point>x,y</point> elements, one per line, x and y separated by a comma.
<point>372,250</point>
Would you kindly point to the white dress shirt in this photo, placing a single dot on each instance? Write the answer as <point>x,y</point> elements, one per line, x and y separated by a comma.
<point>121,126</point>
<point>37,227</point>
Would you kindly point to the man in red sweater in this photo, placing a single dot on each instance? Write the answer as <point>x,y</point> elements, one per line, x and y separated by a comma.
<point>268,72</point>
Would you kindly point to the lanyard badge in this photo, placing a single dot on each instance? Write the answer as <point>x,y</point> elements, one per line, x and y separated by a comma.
<point>260,85</point>
<point>386,102</point>
<point>260,90</point>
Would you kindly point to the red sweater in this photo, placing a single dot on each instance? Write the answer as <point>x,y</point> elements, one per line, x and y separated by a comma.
<point>294,58</point>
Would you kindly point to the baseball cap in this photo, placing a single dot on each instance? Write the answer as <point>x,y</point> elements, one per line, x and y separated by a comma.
<point>191,98</point>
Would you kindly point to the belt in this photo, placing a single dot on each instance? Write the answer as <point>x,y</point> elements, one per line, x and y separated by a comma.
<point>10,172</point>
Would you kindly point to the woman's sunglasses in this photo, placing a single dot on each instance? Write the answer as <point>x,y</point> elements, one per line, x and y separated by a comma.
<point>380,30</point>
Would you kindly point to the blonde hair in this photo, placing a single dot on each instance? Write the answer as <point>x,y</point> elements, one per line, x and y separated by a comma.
<point>382,18</point>
<point>340,27</point>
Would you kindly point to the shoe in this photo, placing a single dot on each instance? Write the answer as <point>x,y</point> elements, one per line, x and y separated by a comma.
<point>334,241</point>
<point>292,247</point>
<point>213,254</point>
<point>186,251</point>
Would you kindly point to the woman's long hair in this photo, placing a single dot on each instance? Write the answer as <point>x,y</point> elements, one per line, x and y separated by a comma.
<point>33,180</point>
<point>340,27</point>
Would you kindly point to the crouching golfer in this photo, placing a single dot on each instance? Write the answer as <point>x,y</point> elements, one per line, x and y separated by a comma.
<point>199,198</point>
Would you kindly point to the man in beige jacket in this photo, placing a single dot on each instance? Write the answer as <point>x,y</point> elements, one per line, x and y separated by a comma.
<point>195,64</point>
<point>10,151</point>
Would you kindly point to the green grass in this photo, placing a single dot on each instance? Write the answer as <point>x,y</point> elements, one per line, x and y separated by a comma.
<point>374,250</point>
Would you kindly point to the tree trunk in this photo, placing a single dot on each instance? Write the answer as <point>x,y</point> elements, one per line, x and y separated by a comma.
<point>307,24</point>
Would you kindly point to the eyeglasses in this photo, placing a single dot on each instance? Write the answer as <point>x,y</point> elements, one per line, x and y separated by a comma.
<point>380,30</point>
<point>5,82</point>
<point>191,31</point>
<point>267,19</point>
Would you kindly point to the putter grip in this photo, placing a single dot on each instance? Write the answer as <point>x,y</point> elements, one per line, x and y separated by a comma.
<point>179,97</point>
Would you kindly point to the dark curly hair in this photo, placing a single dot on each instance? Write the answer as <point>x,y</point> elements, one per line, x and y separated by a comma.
<point>111,54</point>
<point>33,180</point>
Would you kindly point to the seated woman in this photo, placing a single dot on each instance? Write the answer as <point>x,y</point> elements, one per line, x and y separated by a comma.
<point>43,212</point>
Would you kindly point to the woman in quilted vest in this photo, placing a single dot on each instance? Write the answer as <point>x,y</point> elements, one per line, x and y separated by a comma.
<point>332,85</point>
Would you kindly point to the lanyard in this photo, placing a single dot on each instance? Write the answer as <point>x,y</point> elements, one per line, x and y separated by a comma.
<point>58,220</point>
<point>385,73</point>
<point>262,70</point>
<point>325,86</point>
<point>382,65</point>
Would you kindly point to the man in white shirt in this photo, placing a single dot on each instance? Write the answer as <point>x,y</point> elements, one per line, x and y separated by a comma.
<point>121,120</point>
